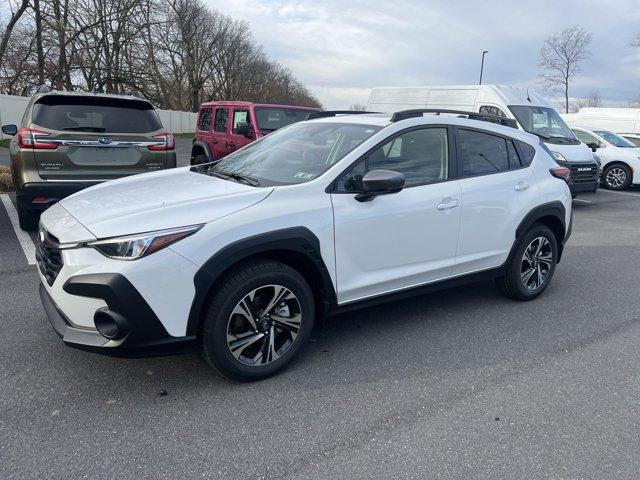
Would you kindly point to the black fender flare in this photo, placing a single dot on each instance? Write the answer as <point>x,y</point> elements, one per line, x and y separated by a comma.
<point>555,210</point>
<point>295,240</point>
<point>205,146</point>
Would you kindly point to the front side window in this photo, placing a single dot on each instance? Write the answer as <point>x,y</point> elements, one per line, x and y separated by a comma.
<point>543,122</point>
<point>220,125</point>
<point>482,153</point>
<point>634,140</point>
<point>239,116</point>
<point>422,156</point>
<point>295,154</point>
<point>204,120</point>
<point>614,139</point>
<point>584,137</point>
<point>491,110</point>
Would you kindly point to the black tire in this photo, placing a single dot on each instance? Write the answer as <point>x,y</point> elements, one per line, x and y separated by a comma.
<point>512,284</point>
<point>260,276</point>
<point>200,159</point>
<point>616,177</point>
<point>27,220</point>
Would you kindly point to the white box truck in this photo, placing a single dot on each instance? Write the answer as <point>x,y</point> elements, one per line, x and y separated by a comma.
<point>531,112</point>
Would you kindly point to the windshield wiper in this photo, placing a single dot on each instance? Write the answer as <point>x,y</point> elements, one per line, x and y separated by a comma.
<point>85,129</point>
<point>237,177</point>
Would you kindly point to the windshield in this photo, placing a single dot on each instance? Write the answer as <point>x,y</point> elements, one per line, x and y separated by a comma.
<point>543,122</point>
<point>95,114</point>
<point>273,118</point>
<point>296,154</point>
<point>615,140</point>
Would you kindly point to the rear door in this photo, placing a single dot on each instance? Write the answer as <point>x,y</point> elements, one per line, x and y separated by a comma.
<point>220,134</point>
<point>95,138</point>
<point>498,189</point>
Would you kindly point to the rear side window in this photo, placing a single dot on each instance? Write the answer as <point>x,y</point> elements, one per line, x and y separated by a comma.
<point>221,120</point>
<point>204,120</point>
<point>95,114</point>
<point>239,116</point>
<point>528,152</point>
<point>481,153</point>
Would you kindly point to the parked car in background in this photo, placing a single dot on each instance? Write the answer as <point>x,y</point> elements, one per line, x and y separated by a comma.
<point>531,111</point>
<point>70,140</point>
<point>620,158</point>
<point>632,137</point>
<point>622,121</point>
<point>238,257</point>
<point>223,127</point>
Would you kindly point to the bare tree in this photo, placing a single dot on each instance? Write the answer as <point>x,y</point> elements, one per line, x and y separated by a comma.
<point>593,100</point>
<point>16,13</point>
<point>561,55</point>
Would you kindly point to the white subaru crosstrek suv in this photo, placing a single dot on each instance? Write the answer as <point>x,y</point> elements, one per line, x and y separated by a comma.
<point>239,257</point>
<point>620,157</point>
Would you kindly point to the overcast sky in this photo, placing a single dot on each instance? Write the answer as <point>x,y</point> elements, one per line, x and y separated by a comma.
<point>340,49</point>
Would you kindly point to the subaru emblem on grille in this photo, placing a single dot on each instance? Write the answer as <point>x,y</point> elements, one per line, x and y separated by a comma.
<point>105,140</point>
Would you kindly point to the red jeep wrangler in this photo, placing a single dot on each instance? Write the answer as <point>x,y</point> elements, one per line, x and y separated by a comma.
<point>223,127</point>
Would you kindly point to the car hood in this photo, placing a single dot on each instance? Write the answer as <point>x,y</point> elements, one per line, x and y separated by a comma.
<point>573,153</point>
<point>158,200</point>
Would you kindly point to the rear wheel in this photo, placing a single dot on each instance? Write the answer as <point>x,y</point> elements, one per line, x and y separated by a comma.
<point>530,270</point>
<point>617,176</point>
<point>257,321</point>
<point>27,220</point>
<point>200,159</point>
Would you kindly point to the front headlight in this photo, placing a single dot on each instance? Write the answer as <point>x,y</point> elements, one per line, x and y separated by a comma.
<point>558,157</point>
<point>133,247</point>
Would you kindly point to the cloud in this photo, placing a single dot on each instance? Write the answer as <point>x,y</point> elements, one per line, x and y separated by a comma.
<point>341,50</point>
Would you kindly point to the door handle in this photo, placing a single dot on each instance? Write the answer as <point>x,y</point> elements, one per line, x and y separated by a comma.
<point>214,141</point>
<point>521,186</point>
<point>447,203</point>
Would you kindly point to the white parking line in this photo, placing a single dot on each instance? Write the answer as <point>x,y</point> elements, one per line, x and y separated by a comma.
<point>622,193</point>
<point>27,245</point>
<point>580,200</point>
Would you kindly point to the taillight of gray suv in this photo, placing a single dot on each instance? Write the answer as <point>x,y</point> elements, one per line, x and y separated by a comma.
<point>70,140</point>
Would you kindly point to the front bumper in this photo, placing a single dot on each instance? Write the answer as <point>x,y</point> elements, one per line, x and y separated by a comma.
<point>142,332</point>
<point>584,186</point>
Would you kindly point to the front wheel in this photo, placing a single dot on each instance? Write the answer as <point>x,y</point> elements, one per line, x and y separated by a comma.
<point>532,266</point>
<point>257,321</point>
<point>200,159</point>
<point>617,176</point>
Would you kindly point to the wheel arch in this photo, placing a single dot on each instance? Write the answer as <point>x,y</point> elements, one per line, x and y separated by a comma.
<point>552,215</point>
<point>296,247</point>
<point>199,148</point>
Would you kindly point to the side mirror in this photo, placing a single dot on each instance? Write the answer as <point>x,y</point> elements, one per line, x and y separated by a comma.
<point>10,129</point>
<point>593,146</point>
<point>243,128</point>
<point>380,182</point>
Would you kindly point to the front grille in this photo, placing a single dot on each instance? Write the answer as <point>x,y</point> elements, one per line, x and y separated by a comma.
<point>48,256</point>
<point>583,172</point>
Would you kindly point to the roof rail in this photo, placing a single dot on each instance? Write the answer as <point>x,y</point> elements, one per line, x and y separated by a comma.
<point>136,93</point>
<point>485,117</point>
<point>43,89</point>
<point>333,113</point>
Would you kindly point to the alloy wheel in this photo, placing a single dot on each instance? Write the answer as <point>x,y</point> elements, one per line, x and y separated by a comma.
<point>536,263</point>
<point>263,325</point>
<point>616,177</point>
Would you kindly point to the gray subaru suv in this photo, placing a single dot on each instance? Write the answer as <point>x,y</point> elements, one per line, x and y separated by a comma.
<point>70,140</point>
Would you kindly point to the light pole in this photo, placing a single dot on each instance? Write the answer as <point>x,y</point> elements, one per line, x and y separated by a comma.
<point>484,52</point>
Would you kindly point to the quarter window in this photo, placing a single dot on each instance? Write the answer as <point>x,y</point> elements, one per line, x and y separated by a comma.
<point>204,121</point>
<point>482,153</point>
<point>422,156</point>
<point>221,120</point>
<point>528,152</point>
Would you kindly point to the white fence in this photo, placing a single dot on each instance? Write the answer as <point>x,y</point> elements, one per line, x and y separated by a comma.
<point>12,108</point>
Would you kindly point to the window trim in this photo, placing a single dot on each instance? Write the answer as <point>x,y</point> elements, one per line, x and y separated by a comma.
<point>452,157</point>
<point>486,132</point>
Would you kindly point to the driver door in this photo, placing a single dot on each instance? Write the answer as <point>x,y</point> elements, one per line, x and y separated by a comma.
<point>399,240</point>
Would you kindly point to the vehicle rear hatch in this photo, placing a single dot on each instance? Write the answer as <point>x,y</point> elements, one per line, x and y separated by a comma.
<point>92,137</point>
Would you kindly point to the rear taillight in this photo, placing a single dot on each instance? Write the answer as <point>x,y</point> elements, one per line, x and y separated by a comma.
<point>563,173</point>
<point>166,141</point>
<point>30,138</point>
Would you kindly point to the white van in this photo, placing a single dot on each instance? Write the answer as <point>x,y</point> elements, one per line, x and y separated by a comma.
<point>623,121</point>
<point>531,111</point>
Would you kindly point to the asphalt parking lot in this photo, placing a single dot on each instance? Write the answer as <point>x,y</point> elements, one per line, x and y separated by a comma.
<point>459,384</point>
